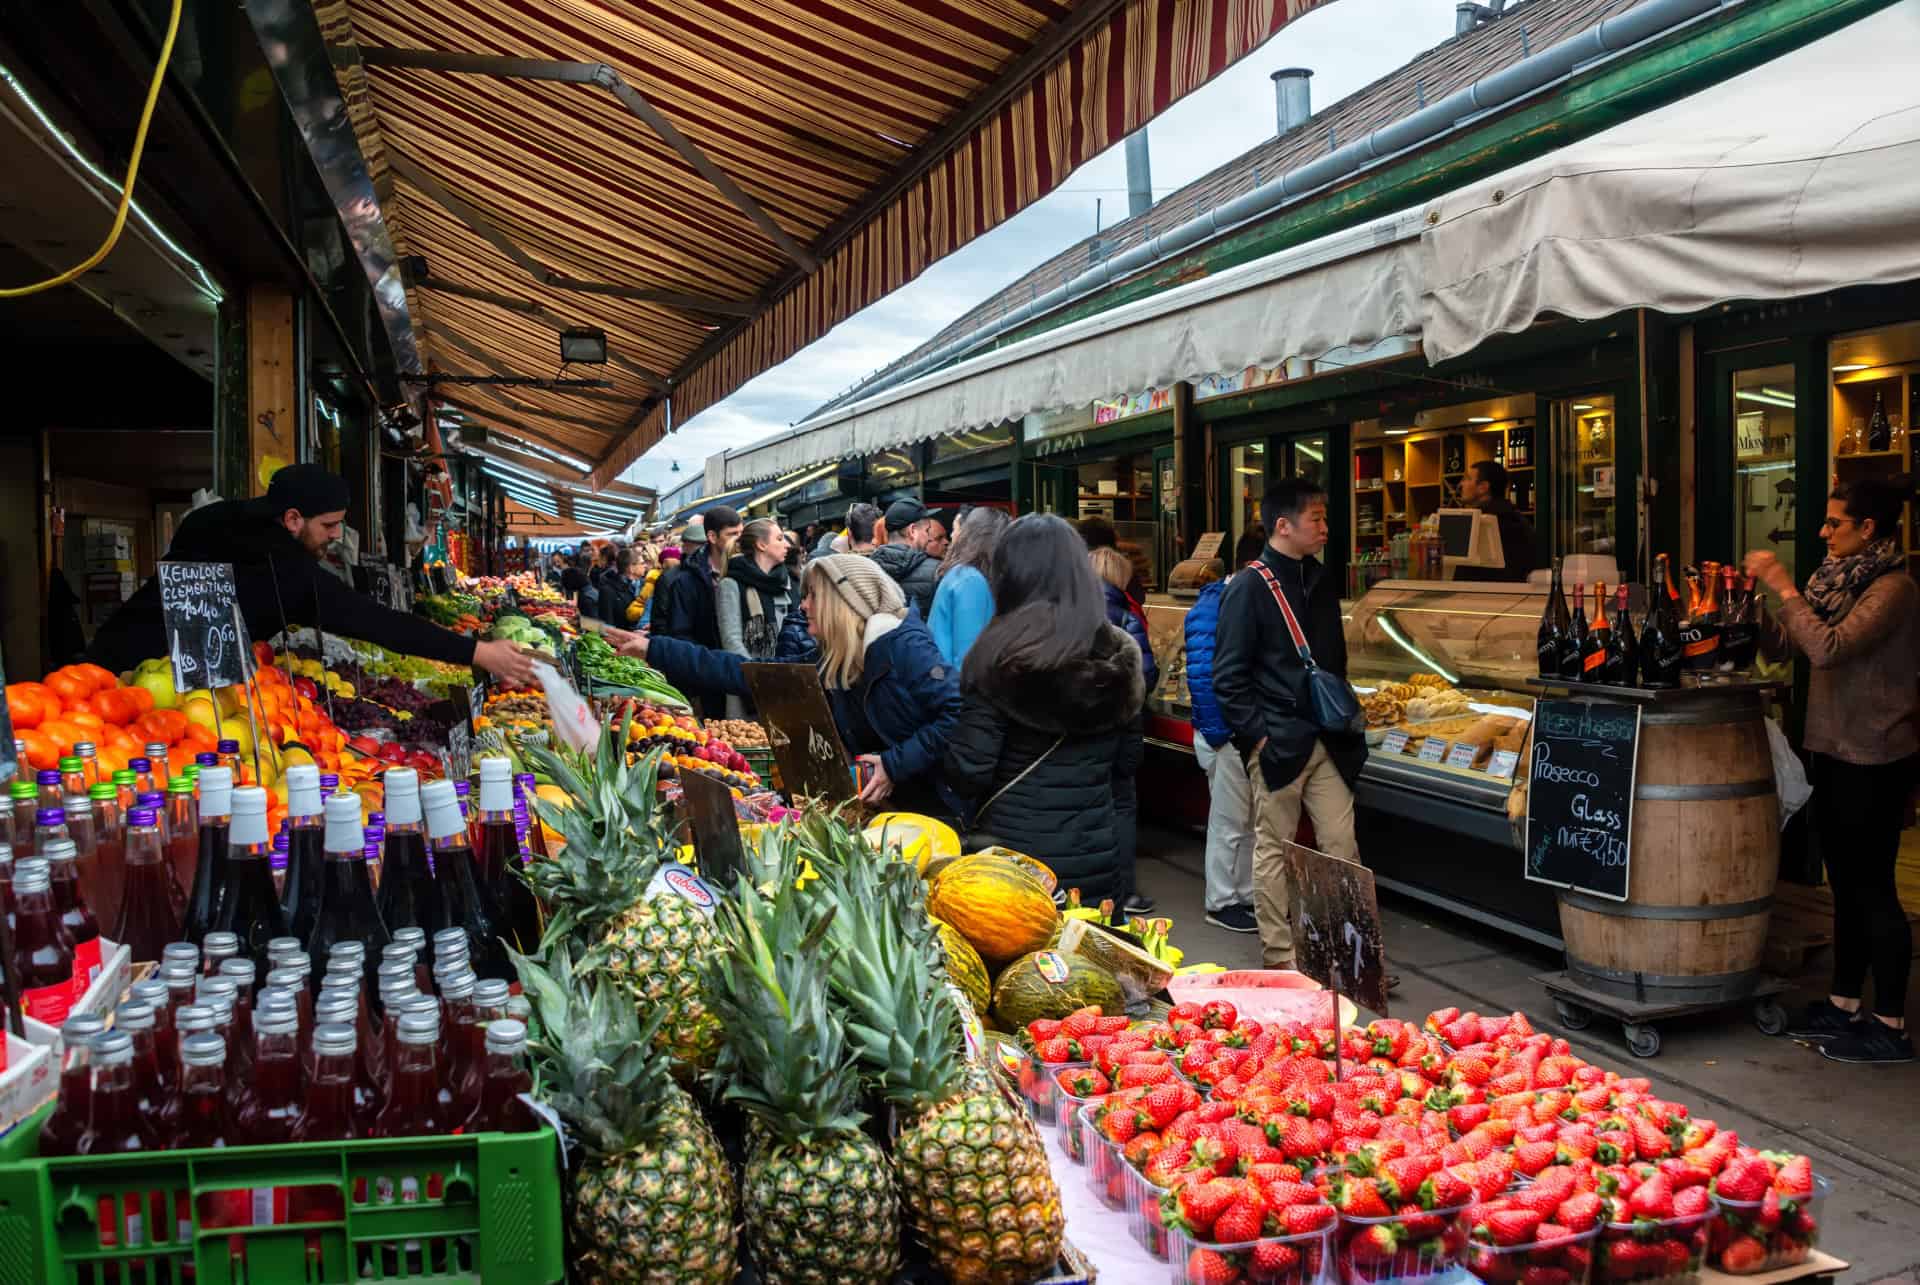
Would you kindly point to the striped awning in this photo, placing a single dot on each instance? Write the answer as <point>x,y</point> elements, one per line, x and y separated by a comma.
<point>716,184</point>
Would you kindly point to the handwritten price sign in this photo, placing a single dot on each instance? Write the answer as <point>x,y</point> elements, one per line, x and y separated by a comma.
<point>204,632</point>
<point>1335,915</point>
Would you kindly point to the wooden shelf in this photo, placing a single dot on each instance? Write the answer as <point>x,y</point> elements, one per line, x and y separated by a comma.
<point>1868,455</point>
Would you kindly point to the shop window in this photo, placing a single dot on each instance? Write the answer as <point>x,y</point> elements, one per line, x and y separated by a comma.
<point>1876,392</point>
<point>1246,483</point>
<point>1764,431</point>
<point>1586,484</point>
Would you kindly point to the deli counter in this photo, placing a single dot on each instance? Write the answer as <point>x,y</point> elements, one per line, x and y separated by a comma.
<point>1440,668</point>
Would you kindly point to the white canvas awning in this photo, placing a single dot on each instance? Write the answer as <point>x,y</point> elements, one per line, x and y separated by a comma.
<point>1349,290</point>
<point>1797,177</point>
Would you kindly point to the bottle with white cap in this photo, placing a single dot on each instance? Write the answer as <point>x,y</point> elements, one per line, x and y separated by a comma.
<point>118,1123</point>
<point>43,949</point>
<point>210,865</point>
<point>249,906</point>
<point>347,912</point>
<point>468,904</point>
<point>500,858</point>
<point>408,896</point>
<point>306,843</point>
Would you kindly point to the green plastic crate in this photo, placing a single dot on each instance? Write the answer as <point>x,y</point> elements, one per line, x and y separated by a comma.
<point>484,1207</point>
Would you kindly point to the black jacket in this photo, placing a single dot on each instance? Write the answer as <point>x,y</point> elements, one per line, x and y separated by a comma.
<point>265,556</point>
<point>1258,678</point>
<point>1062,810</point>
<point>616,594</point>
<point>1516,545</point>
<point>690,606</point>
<point>914,570</point>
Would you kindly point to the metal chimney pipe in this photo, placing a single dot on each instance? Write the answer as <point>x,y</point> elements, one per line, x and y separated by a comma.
<point>1292,97</point>
<point>1465,18</point>
<point>1139,175</point>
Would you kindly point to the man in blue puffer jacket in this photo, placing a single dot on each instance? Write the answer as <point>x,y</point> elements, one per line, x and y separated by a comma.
<point>1229,864</point>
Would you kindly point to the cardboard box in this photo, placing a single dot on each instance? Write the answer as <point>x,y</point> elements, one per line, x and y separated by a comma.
<point>116,974</point>
<point>32,1077</point>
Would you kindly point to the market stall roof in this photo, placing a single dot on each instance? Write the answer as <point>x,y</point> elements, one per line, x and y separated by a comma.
<point>1795,178</point>
<point>716,185</point>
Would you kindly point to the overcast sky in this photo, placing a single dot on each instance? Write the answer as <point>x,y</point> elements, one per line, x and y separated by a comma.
<point>1347,43</point>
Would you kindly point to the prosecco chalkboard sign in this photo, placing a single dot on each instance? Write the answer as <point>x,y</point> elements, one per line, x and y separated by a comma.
<point>1580,795</point>
<point>203,629</point>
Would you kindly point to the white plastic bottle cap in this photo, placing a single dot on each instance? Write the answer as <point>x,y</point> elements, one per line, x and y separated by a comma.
<point>216,791</point>
<point>303,790</point>
<point>249,824</point>
<point>344,831</point>
<point>443,810</point>
<point>403,796</point>
<point>496,785</point>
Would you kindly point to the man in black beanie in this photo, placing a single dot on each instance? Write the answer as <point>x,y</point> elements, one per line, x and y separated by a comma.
<point>274,542</point>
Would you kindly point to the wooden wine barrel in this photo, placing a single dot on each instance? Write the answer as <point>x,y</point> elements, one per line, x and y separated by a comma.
<point>1705,855</point>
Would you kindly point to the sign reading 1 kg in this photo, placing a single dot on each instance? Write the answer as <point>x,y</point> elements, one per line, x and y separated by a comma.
<point>203,628</point>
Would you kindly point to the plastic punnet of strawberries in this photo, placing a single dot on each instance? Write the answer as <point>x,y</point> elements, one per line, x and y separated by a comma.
<point>1766,1212</point>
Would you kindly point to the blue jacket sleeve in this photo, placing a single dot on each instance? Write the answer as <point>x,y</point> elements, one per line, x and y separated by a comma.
<point>795,645</point>
<point>691,667</point>
<point>962,606</point>
<point>1200,624</point>
<point>932,689</point>
<point>1236,642</point>
<point>1148,666</point>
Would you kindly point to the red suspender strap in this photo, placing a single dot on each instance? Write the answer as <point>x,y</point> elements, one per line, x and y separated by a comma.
<point>1286,609</point>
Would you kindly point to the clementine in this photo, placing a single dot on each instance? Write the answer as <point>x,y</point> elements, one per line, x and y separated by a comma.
<point>69,686</point>
<point>43,753</point>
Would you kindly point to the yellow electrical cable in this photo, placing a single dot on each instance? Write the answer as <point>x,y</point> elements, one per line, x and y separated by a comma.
<point>133,172</point>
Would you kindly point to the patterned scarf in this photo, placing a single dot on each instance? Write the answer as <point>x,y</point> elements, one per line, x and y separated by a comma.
<point>1837,583</point>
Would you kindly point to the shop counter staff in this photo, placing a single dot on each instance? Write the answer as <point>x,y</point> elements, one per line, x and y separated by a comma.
<point>274,543</point>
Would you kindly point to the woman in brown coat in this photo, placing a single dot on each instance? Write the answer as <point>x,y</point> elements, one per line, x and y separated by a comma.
<point>1858,624</point>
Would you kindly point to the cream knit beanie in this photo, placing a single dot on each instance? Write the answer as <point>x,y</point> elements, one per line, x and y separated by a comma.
<point>861,584</point>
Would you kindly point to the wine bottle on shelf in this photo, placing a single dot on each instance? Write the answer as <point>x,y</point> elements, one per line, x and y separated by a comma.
<point>347,911</point>
<point>1593,654</point>
<point>1623,649</point>
<point>408,896</point>
<point>499,855</point>
<point>1554,622</point>
<point>1660,650</point>
<point>1739,622</point>
<point>1573,651</point>
<point>1879,428</point>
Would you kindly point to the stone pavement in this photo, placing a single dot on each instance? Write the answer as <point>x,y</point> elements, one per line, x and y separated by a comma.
<point>1861,1125</point>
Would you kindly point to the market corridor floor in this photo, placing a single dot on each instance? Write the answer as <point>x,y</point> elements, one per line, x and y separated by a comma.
<point>1859,1124</point>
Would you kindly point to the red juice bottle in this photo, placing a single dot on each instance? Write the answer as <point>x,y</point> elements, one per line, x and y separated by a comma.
<point>182,982</point>
<point>293,981</point>
<point>469,906</point>
<point>43,949</point>
<point>456,999</point>
<point>49,826</point>
<point>210,864</point>
<point>60,1135</point>
<point>105,881</point>
<point>118,1125</point>
<point>408,897</point>
<point>142,769</point>
<point>327,1115</point>
<point>147,919</point>
<point>499,853</point>
<point>157,756</point>
<point>500,1109</point>
<point>90,770</point>
<point>306,849</point>
<point>26,806</point>
<point>204,1118</point>
<point>73,771</point>
<point>415,939</point>
<point>157,1095</point>
<point>275,1102</point>
<point>216,949</point>
<point>49,788</point>
<point>75,915</point>
<point>124,789</point>
<point>182,824</point>
<point>250,908</point>
<point>341,1008</point>
<point>346,912</point>
<point>80,827</point>
<point>396,988</point>
<point>166,1041</point>
<point>489,1006</point>
<point>413,1107</point>
<point>223,995</point>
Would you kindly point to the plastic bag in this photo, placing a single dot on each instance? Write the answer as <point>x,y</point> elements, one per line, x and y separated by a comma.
<point>1789,774</point>
<point>573,718</point>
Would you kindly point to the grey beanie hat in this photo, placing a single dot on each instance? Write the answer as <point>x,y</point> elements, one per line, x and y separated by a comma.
<point>861,583</point>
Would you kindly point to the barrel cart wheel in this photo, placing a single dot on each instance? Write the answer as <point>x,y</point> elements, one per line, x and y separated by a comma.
<point>1642,1040</point>
<point>1575,1017</point>
<point>1769,1017</point>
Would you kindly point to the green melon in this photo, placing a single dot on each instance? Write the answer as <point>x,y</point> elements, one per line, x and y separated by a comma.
<point>1024,992</point>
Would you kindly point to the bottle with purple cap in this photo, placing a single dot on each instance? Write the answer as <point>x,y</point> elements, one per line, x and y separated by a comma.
<point>148,921</point>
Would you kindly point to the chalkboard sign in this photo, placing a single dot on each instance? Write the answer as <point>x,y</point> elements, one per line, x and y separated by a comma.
<point>716,828</point>
<point>204,631</point>
<point>1335,916</point>
<point>1580,795</point>
<point>8,764</point>
<point>792,703</point>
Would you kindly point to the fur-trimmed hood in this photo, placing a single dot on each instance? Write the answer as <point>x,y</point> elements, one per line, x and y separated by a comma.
<point>1101,691</point>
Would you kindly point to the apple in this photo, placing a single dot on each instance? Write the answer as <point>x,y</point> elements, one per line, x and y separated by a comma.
<point>160,683</point>
<point>366,745</point>
<point>305,686</point>
<point>393,752</point>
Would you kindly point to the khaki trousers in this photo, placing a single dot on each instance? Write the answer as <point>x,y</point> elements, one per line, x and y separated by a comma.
<point>1323,792</point>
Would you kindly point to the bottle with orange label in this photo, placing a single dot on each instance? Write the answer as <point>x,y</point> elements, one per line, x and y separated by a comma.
<point>1700,631</point>
<point>1593,652</point>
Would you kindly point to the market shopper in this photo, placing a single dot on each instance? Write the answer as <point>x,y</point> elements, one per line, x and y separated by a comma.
<point>621,590</point>
<point>1486,488</point>
<point>274,542</point>
<point>1230,815</point>
<point>1857,622</point>
<point>754,598</point>
<point>962,598</point>
<point>1260,682</point>
<point>1051,695</point>
<point>894,700</point>
<point>910,529</point>
<point>866,530</point>
<point>1123,612</point>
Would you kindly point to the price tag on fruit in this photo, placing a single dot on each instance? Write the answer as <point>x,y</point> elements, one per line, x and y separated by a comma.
<point>1395,742</point>
<point>1433,750</point>
<point>1502,764</point>
<point>1461,755</point>
<point>202,629</point>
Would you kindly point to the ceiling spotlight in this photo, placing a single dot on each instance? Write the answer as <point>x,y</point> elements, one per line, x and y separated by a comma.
<point>584,345</point>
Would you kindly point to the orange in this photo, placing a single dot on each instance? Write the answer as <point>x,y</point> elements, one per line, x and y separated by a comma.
<point>50,705</point>
<point>69,687</point>
<point>114,706</point>
<point>84,717</point>
<point>200,737</point>
<point>43,755</point>
<point>62,735</point>
<point>141,697</point>
<point>102,680</point>
<point>179,758</point>
<point>113,759</point>
<point>27,704</point>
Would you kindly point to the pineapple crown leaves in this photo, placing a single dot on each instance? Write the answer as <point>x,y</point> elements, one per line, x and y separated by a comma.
<point>595,1057</point>
<point>786,1058</point>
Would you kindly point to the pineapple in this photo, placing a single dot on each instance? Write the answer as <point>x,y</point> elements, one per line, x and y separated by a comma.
<point>653,942</point>
<point>653,1201</point>
<point>972,1169</point>
<point>817,1195</point>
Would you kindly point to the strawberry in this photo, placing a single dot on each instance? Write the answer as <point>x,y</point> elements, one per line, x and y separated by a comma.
<point>1297,1220</point>
<point>1273,1261</point>
<point>1689,1201</point>
<point>1540,1274</point>
<point>1650,1140</point>
<point>1652,1199</point>
<point>1540,1199</point>
<point>1200,1204</point>
<point>1218,1015</point>
<point>1243,1220</point>
<point>1530,1158</point>
<point>1134,1074</point>
<point>1057,1050</point>
<point>1205,1267</point>
<point>1743,1254</point>
<point>1360,1198</point>
<point>1119,1126</point>
<point>1678,1256</point>
<point>1628,1260</point>
<point>1769,1215</point>
<point>1508,1226</point>
<point>1187,1011</point>
<point>1744,1179</point>
<point>1163,1103</point>
<point>1376,1244</point>
<point>1084,1082</point>
<point>1795,1179</point>
<point>1042,1029</point>
<point>1111,1025</point>
<point>1444,1189</point>
<point>1085,1021</point>
<point>1579,1213</point>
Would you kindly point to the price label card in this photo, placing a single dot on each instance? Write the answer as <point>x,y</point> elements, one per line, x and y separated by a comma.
<point>459,752</point>
<point>476,701</point>
<point>1461,755</point>
<point>203,638</point>
<point>1395,742</point>
<point>1502,764</point>
<point>1433,750</point>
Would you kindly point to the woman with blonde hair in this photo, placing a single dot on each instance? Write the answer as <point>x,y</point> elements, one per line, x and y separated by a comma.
<point>894,699</point>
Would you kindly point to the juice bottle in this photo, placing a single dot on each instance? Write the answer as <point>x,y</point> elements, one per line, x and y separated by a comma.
<point>118,1125</point>
<point>123,790</point>
<point>181,983</point>
<point>75,915</point>
<point>73,773</point>
<point>283,950</point>
<point>157,800</point>
<point>104,883</point>
<point>499,852</point>
<point>142,769</point>
<point>182,825</point>
<point>49,825</point>
<point>443,1091</point>
<point>216,949</point>
<point>229,752</point>
<point>147,921</point>
<point>26,805</point>
<point>51,793</point>
<point>489,1005</point>
<point>348,1006</point>
<point>395,992</point>
<point>157,1094</point>
<point>269,1113</point>
<point>60,1135</point>
<point>412,1108</point>
<point>157,756</point>
<point>415,937</point>
<point>204,1121</point>
<point>408,896</point>
<point>250,908</point>
<point>22,769</point>
<point>536,838</point>
<point>293,982</point>
<point>89,763</point>
<point>42,947</point>
<point>80,828</point>
<point>505,1078</point>
<point>468,905</point>
<point>166,1041</point>
<point>460,1028</point>
<point>306,849</point>
<point>346,912</point>
<point>327,1115</point>
<point>210,863</point>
